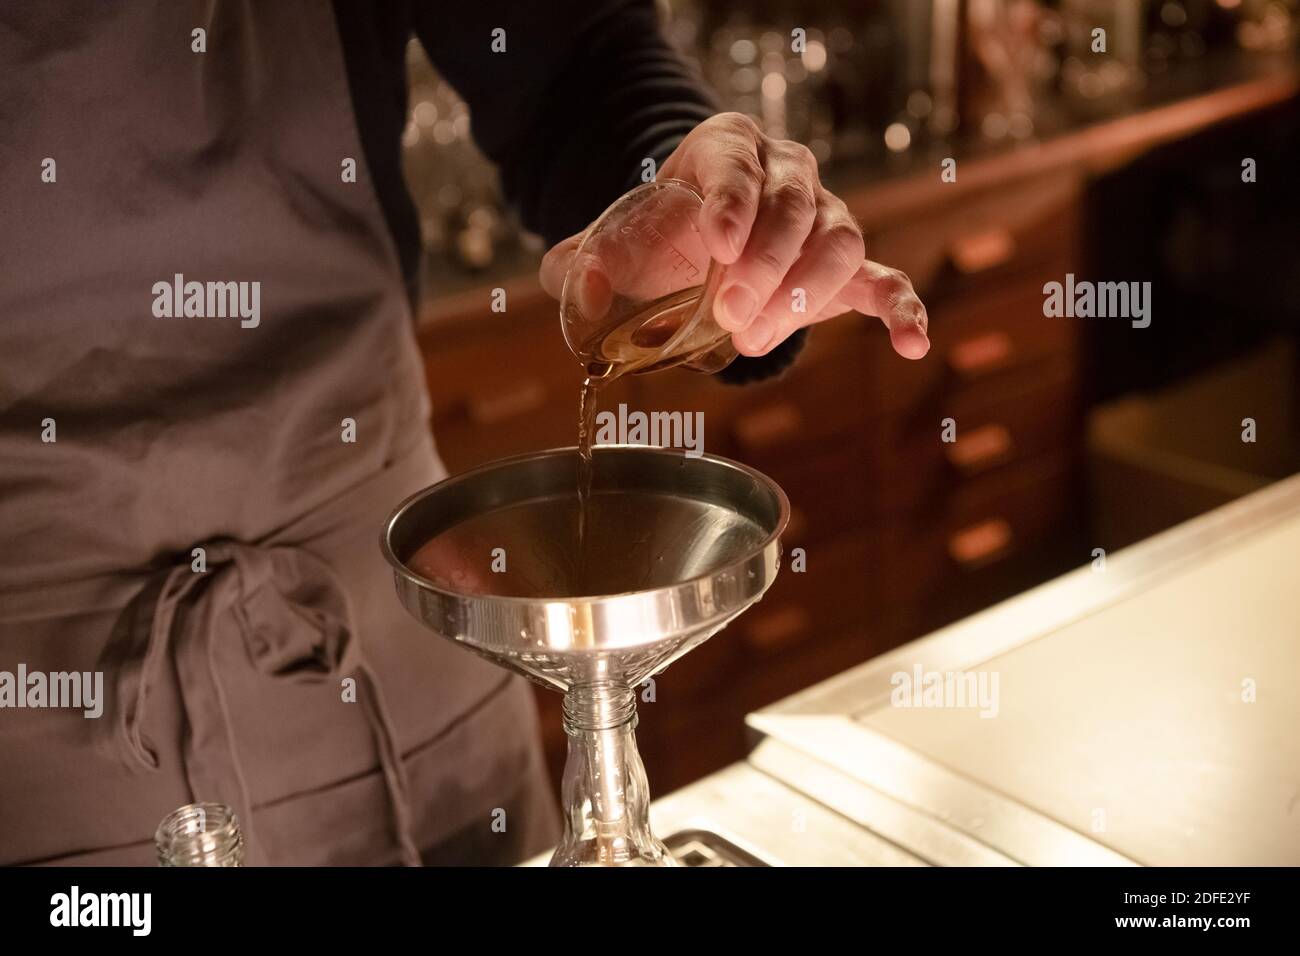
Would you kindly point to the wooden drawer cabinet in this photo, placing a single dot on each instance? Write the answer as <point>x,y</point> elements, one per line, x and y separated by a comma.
<point>688,392</point>
<point>680,747</point>
<point>475,359</point>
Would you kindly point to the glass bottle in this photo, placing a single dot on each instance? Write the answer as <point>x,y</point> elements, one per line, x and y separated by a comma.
<point>200,834</point>
<point>604,787</point>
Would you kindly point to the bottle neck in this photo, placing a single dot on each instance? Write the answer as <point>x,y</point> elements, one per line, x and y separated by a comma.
<point>605,793</point>
<point>200,834</point>
<point>598,707</point>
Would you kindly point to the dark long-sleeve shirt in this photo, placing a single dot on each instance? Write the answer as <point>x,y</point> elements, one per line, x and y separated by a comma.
<point>584,92</point>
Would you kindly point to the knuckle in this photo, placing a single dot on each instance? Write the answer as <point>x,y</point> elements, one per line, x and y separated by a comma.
<point>844,242</point>
<point>802,155</point>
<point>737,122</point>
<point>901,276</point>
<point>794,197</point>
<point>768,263</point>
<point>893,288</point>
<point>746,164</point>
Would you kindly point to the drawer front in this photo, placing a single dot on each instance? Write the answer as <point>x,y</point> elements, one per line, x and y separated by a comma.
<point>975,341</point>
<point>819,397</point>
<point>955,249</point>
<point>1001,331</point>
<point>1018,417</point>
<point>504,390</point>
<point>1023,517</point>
<point>818,623</point>
<point>839,593</point>
<point>678,390</point>
<point>474,366</point>
<point>809,625</point>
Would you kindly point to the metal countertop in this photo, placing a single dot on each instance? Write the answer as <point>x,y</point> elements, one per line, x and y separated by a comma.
<point>1146,713</point>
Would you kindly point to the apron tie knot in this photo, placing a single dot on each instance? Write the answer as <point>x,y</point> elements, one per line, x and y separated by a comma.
<point>293,619</point>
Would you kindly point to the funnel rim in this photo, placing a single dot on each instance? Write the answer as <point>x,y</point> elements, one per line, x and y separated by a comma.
<point>595,600</point>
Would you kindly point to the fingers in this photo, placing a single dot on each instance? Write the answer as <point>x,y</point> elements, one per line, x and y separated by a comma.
<point>730,176</point>
<point>831,256</point>
<point>888,294</point>
<point>787,209</point>
<point>591,287</point>
<point>591,284</point>
<point>556,263</point>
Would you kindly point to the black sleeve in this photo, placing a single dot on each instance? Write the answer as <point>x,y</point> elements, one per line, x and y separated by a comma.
<point>584,91</point>
<point>746,369</point>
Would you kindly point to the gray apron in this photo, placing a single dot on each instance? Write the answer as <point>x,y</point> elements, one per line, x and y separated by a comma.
<point>285,679</point>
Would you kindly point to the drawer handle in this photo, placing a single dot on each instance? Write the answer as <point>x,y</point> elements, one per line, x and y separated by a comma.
<point>777,629</point>
<point>981,354</point>
<point>980,448</point>
<point>769,426</point>
<point>982,251</point>
<point>494,409</point>
<point>981,544</point>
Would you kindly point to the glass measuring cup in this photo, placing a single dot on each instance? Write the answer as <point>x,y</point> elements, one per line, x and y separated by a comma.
<point>638,295</point>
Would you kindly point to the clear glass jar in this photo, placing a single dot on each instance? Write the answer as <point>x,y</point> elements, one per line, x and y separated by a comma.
<point>200,834</point>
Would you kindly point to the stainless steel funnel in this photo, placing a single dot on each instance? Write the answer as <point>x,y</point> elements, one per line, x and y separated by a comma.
<point>675,548</point>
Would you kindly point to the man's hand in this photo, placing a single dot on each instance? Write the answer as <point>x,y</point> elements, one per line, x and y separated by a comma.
<point>768,219</point>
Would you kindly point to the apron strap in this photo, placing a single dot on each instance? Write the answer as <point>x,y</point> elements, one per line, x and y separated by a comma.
<point>295,623</point>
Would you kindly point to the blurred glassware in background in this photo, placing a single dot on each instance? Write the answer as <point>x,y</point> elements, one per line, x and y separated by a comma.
<point>463,218</point>
<point>862,83</point>
<point>790,83</point>
<point>1175,31</point>
<point>1011,44</point>
<point>1266,25</point>
<point>1102,50</point>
